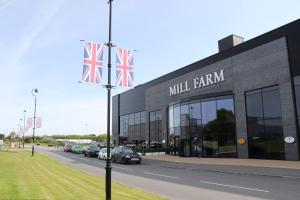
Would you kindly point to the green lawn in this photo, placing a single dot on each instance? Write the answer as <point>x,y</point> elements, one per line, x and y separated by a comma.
<point>40,177</point>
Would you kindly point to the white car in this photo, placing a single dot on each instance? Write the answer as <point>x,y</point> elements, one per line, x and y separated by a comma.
<point>102,153</point>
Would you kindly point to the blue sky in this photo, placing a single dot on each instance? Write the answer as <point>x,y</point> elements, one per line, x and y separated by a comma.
<point>40,48</point>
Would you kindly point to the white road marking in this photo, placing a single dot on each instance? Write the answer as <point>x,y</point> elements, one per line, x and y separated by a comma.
<point>232,186</point>
<point>122,168</point>
<point>174,177</point>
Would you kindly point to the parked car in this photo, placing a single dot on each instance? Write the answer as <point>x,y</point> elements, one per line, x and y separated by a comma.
<point>103,153</point>
<point>67,148</point>
<point>92,150</point>
<point>125,155</point>
<point>77,149</point>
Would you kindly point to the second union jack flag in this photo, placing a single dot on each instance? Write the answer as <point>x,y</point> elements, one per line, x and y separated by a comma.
<point>93,62</point>
<point>125,67</point>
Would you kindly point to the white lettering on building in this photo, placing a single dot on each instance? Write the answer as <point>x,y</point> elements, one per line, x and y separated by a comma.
<point>198,82</point>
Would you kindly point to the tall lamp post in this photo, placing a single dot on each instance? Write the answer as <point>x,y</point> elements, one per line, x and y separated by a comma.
<point>34,93</point>
<point>109,87</point>
<point>24,127</point>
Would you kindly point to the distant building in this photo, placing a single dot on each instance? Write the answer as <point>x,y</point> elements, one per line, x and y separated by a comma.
<point>241,102</point>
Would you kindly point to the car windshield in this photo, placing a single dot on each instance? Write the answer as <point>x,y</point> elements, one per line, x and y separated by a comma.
<point>126,150</point>
<point>94,147</point>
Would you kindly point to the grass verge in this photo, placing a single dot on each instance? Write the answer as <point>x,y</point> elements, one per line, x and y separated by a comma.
<point>40,177</point>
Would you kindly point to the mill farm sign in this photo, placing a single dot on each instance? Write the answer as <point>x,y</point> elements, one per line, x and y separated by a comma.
<point>198,82</point>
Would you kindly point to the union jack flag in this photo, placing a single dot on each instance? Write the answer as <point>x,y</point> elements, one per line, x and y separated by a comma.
<point>29,122</point>
<point>125,67</point>
<point>38,122</point>
<point>93,62</point>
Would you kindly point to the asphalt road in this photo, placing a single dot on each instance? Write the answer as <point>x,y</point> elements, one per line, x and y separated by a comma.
<point>193,181</point>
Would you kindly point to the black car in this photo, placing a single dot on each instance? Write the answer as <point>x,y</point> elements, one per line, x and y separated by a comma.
<point>92,150</point>
<point>125,155</point>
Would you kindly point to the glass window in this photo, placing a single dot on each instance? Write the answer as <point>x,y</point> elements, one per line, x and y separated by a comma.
<point>271,104</point>
<point>297,94</point>
<point>171,122</point>
<point>152,116</point>
<point>195,111</point>
<point>131,128</point>
<point>264,123</point>
<point>143,117</point>
<point>121,125</point>
<point>131,119</point>
<point>254,105</point>
<point>208,111</point>
<point>184,111</point>
<point>125,126</point>
<point>137,118</point>
<point>177,120</point>
<point>226,104</point>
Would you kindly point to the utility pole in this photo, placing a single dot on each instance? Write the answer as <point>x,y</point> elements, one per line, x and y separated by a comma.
<point>109,87</point>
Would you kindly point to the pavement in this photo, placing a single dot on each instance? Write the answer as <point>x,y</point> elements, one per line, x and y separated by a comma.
<point>229,161</point>
<point>195,178</point>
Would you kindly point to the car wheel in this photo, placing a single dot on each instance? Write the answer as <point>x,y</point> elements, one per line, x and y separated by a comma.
<point>138,162</point>
<point>85,155</point>
<point>124,161</point>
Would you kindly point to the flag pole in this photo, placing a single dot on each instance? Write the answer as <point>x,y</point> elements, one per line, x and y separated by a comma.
<point>109,87</point>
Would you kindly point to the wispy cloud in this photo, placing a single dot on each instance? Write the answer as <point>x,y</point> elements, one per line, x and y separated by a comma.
<point>23,47</point>
<point>6,4</point>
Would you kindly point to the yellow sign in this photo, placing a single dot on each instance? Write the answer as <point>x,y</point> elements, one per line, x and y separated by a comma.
<point>241,141</point>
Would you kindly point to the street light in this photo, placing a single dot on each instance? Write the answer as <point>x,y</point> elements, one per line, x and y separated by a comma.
<point>34,93</point>
<point>20,131</point>
<point>24,112</point>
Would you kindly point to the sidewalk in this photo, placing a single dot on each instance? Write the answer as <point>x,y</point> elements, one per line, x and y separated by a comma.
<point>228,161</point>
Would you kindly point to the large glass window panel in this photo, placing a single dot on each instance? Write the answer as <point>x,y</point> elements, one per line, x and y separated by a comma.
<point>226,104</point>
<point>121,125</point>
<point>297,80</point>
<point>137,122</point>
<point>131,119</point>
<point>271,104</point>
<point>137,118</point>
<point>184,120</point>
<point>170,117</point>
<point>273,127</point>
<point>265,133</point>
<point>143,117</point>
<point>297,94</point>
<point>254,105</point>
<point>143,132</point>
<point>177,120</point>
<point>158,130</point>
<point>226,128</point>
<point>195,113</point>
<point>255,127</point>
<point>131,128</point>
<point>152,116</point>
<point>125,126</point>
<point>208,111</point>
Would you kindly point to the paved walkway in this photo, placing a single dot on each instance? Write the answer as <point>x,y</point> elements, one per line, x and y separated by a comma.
<point>229,161</point>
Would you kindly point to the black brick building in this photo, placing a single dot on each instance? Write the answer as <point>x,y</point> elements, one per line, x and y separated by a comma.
<point>241,102</point>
